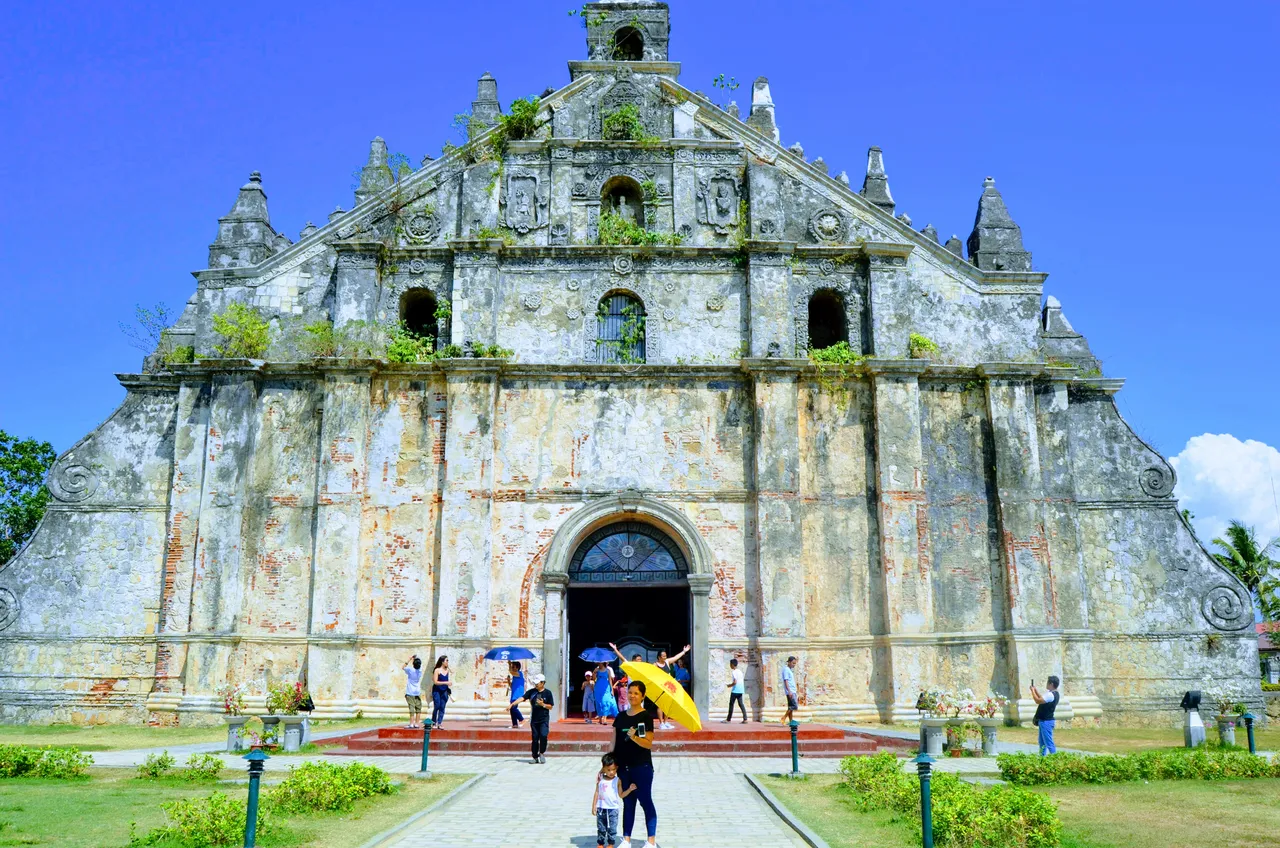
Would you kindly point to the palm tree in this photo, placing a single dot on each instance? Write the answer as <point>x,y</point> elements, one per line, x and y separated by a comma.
<point>1244,557</point>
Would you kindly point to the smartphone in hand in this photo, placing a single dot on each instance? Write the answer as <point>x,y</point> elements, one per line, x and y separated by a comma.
<point>640,730</point>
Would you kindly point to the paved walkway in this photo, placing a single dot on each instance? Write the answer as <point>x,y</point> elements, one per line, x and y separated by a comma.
<point>700,802</point>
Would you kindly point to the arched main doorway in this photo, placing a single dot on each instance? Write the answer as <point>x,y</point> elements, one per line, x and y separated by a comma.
<point>628,584</point>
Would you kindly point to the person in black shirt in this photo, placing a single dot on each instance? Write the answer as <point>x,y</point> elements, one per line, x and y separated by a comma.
<point>540,700</point>
<point>632,744</point>
<point>1048,702</point>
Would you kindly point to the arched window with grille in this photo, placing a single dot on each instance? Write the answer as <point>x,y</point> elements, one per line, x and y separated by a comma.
<point>620,328</point>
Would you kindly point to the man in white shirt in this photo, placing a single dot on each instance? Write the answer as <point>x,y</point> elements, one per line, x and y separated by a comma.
<point>737,689</point>
<point>413,690</point>
<point>789,689</point>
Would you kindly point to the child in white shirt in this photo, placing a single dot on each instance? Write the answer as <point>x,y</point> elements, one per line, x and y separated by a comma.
<point>606,804</point>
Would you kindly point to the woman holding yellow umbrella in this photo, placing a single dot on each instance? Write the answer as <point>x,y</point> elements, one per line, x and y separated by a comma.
<point>633,738</point>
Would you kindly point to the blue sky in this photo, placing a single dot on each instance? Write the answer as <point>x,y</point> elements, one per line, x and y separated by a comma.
<point>1133,142</point>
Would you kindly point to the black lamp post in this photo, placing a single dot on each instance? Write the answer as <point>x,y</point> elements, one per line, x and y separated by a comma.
<point>1248,728</point>
<point>795,750</point>
<point>256,759</point>
<point>924,764</point>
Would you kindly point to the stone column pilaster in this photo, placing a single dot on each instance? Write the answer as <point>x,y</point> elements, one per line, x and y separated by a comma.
<point>556,585</point>
<point>340,493</point>
<point>777,487</point>
<point>700,591</point>
<point>684,188</point>
<point>224,555</point>
<point>560,211</point>
<point>1034,635</point>
<point>888,287</point>
<point>190,438</point>
<point>465,545</point>
<point>905,566</point>
<point>356,284</point>
<point>769,299</point>
<point>475,292</point>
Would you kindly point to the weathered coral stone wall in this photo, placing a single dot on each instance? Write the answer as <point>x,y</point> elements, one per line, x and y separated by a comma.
<point>976,519</point>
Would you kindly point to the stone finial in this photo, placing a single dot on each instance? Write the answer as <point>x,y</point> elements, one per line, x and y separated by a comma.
<point>930,231</point>
<point>485,108</point>
<point>843,178</point>
<point>762,117</point>
<point>821,165</point>
<point>337,213</point>
<point>733,110</point>
<point>955,245</point>
<point>875,187</point>
<point>245,236</point>
<point>282,243</point>
<point>996,241</point>
<point>905,219</point>
<point>375,175</point>
<point>797,151</point>
<point>306,231</point>
<point>1059,340</point>
<point>426,160</point>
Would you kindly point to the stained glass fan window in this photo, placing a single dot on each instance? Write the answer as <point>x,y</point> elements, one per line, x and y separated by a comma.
<point>628,553</point>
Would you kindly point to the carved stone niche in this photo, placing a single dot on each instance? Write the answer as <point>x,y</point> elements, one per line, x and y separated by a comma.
<point>525,202</point>
<point>626,92</point>
<point>718,200</point>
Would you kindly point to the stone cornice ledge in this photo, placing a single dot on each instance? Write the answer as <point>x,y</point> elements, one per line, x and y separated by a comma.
<point>887,248</point>
<point>1106,385</point>
<point>598,66</point>
<point>486,366</point>
<point>756,366</point>
<point>896,366</point>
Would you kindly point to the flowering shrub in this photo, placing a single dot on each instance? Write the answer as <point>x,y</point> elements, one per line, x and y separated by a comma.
<point>964,815</point>
<point>285,698</point>
<point>990,706</point>
<point>257,734</point>
<point>232,699</point>
<point>326,786</point>
<point>26,761</point>
<point>1172,764</point>
<point>155,765</point>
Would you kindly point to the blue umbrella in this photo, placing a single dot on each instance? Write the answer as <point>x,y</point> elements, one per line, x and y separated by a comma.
<point>509,653</point>
<point>597,655</point>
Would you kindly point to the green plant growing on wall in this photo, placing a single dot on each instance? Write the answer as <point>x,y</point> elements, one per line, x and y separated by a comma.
<point>921,347</point>
<point>180,355</point>
<point>726,84</point>
<point>404,345</point>
<point>484,233</point>
<point>624,124</point>
<point>493,351</point>
<point>835,365</point>
<point>245,333</point>
<point>321,339</point>
<point>589,17</point>
<point>148,332</point>
<point>628,347</point>
<point>650,189</point>
<point>618,230</point>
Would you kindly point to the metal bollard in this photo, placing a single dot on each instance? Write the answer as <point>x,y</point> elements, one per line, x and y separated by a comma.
<point>1248,727</point>
<point>256,759</point>
<point>424,772</point>
<point>795,749</point>
<point>923,763</point>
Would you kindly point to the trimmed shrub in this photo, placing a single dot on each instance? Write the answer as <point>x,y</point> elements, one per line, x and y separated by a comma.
<point>963,814</point>
<point>203,767</point>
<point>1172,764</point>
<point>57,763</point>
<point>213,822</point>
<point>326,786</point>
<point>155,765</point>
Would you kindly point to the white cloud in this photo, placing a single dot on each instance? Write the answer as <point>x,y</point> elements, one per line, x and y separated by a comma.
<point>1221,478</point>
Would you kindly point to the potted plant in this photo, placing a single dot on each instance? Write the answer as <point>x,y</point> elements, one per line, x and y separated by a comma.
<point>1229,712</point>
<point>985,713</point>
<point>233,714</point>
<point>286,699</point>
<point>932,704</point>
<point>259,734</point>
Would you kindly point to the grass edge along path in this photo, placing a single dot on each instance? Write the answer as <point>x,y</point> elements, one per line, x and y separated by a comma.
<point>1159,814</point>
<point>125,737</point>
<point>34,811</point>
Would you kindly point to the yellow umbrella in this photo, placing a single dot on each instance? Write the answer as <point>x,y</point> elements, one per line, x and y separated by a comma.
<point>666,692</point>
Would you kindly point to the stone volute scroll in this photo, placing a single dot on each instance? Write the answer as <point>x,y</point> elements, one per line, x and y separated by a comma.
<point>71,482</point>
<point>9,608</point>
<point>1226,609</point>
<point>1157,481</point>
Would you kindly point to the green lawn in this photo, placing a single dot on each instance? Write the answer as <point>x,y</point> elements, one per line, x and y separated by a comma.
<point>1126,740</point>
<point>120,737</point>
<point>96,812</point>
<point>1164,814</point>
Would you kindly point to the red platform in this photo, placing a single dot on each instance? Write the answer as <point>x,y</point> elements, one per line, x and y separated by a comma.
<point>577,737</point>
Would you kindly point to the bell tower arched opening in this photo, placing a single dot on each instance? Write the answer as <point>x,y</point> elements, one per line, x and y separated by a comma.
<point>628,45</point>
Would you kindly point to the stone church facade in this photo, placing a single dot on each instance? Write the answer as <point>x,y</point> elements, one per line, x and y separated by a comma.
<point>975,516</point>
